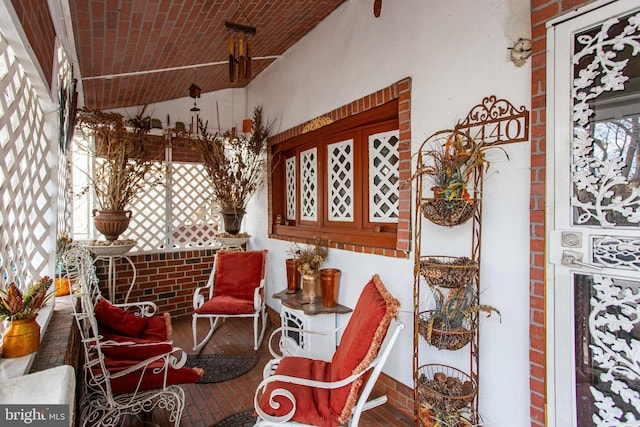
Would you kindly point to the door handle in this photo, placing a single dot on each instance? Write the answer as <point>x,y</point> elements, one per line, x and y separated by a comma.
<point>574,259</point>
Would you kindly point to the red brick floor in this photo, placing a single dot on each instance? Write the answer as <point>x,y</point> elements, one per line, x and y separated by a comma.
<point>208,403</point>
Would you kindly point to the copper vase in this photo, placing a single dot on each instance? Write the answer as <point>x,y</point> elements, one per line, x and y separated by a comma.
<point>22,337</point>
<point>293,275</point>
<point>330,283</point>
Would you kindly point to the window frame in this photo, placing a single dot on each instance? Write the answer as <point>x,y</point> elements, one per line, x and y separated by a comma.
<point>360,232</point>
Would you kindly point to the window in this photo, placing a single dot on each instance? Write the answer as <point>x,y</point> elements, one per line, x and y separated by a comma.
<point>181,213</point>
<point>341,181</point>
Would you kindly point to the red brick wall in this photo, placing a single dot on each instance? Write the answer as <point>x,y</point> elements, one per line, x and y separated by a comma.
<point>541,12</point>
<point>36,20</point>
<point>401,91</point>
<point>167,279</point>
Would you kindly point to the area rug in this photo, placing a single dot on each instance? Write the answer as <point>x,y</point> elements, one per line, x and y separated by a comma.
<point>240,419</point>
<point>222,367</point>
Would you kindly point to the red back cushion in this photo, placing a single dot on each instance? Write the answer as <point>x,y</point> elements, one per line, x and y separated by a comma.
<point>239,273</point>
<point>119,320</point>
<point>361,341</point>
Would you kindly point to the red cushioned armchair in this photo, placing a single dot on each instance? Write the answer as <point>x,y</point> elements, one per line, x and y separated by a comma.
<point>235,289</point>
<point>304,391</point>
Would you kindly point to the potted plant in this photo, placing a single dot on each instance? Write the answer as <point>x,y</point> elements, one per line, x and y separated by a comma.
<point>126,163</point>
<point>452,165</point>
<point>452,323</point>
<point>22,336</point>
<point>235,166</point>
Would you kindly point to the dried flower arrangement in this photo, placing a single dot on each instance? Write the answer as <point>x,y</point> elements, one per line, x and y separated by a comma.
<point>310,257</point>
<point>14,305</point>
<point>235,164</point>
<point>127,161</point>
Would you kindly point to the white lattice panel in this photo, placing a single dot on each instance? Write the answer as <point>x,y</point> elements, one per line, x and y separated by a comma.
<point>340,180</point>
<point>27,196</point>
<point>384,191</point>
<point>290,172</point>
<point>309,191</point>
<point>195,215</point>
<point>149,220</point>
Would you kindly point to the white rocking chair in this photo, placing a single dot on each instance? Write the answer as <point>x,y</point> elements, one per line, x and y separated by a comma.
<point>298,391</point>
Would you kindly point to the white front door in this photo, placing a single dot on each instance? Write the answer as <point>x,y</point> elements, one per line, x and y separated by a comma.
<point>593,217</point>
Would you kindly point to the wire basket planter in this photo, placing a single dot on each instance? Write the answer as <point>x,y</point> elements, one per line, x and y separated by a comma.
<point>448,272</point>
<point>431,417</point>
<point>443,336</point>
<point>445,388</point>
<point>446,212</point>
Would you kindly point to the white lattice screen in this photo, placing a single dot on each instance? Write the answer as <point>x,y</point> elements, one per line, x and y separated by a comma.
<point>196,216</point>
<point>384,192</point>
<point>290,172</point>
<point>309,197</point>
<point>27,196</point>
<point>340,180</point>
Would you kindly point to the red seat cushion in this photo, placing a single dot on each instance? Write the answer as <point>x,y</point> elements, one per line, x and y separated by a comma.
<point>118,320</point>
<point>135,350</point>
<point>312,403</point>
<point>224,304</point>
<point>238,273</point>
<point>148,378</point>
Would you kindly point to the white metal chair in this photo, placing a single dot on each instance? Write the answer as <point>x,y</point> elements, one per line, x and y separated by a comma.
<point>235,289</point>
<point>298,391</point>
<point>123,377</point>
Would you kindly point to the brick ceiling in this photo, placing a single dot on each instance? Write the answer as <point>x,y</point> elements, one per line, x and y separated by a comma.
<point>120,41</point>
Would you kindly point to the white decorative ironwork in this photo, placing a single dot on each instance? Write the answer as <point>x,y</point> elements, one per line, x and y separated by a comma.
<point>309,190</point>
<point>602,194</point>
<point>340,180</point>
<point>290,174</point>
<point>27,198</point>
<point>384,174</point>
<point>614,252</point>
<point>615,348</point>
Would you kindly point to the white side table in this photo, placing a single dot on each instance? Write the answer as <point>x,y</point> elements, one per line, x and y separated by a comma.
<point>111,275</point>
<point>312,317</point>
<point>111,253</point>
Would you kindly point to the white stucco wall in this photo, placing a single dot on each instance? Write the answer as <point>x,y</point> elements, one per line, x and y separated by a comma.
<point>456,54</point>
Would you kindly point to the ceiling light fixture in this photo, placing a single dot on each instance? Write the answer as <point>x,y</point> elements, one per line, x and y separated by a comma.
<point>194,91</point>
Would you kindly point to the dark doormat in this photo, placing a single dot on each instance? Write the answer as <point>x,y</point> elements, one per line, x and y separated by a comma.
<point>222,367</point>
<point>240,419</point>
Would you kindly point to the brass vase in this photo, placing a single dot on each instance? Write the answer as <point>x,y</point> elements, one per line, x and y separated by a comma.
<point>330,283</point>
<point>22,337</point>
<point>311,291</point>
